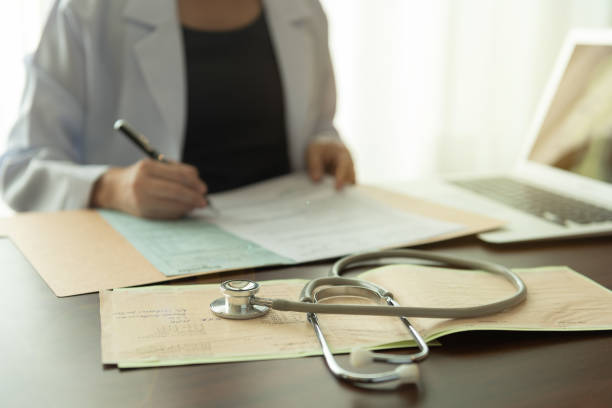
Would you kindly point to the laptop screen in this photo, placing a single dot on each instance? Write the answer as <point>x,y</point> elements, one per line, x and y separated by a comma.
<point>576,134</point>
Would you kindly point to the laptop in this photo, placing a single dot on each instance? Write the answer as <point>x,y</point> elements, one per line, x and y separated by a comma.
<point>562,184</point>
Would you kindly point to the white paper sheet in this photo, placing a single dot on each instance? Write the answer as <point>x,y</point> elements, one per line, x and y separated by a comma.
<point>305,221</point>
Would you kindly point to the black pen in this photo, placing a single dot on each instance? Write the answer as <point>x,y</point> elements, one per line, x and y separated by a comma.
<point>144,145</point>
<point>139,140</point>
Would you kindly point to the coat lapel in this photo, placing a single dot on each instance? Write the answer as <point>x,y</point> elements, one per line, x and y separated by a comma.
<point>160,59</point>
<point>294,50</point>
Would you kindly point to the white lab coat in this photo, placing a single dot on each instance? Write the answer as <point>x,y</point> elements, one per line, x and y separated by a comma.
<point>100,60</point>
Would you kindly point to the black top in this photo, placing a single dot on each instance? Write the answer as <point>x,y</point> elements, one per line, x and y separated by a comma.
<point>235,131</point>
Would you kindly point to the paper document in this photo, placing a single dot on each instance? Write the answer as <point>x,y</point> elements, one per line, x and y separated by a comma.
<point>190,245</point>
<point>85,251</point>
<point>172,325</point>
<point>283,221</point>
<point>306,221</point>
<point>558,298</point>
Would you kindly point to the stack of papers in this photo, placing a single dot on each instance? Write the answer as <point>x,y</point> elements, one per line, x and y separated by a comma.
<point>173,325</point>
<point>281,221</point>
<point>284,221</point>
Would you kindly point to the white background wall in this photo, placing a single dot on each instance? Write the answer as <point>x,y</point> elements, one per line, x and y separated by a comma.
<point>424,87</point>
<point>20,24</point>
<point>431,87</point>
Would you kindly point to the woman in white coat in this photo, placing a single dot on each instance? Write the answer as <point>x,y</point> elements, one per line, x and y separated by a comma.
<point>242,90</point>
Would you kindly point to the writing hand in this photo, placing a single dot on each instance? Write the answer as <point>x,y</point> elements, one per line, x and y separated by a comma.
<point>150,189</point>
<point>327,155</point>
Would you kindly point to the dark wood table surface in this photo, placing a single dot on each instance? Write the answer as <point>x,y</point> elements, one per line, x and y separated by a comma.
<point>51,352</point>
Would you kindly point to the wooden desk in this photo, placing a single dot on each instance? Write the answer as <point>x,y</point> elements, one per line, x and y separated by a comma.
<point>51,353</point>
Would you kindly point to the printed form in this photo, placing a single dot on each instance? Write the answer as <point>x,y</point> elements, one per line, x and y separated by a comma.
<point>282,221</point>
<point>304,221</point>
<point>173,325</point>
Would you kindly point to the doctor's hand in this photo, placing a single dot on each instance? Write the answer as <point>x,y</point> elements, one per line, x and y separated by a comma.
<point>329,155</point>
<point>150,189</point>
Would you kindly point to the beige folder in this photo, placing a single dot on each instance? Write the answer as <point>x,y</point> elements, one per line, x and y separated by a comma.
<point>78,252</point>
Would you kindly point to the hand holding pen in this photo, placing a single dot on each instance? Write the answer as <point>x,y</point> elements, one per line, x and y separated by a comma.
<point>151,188</point>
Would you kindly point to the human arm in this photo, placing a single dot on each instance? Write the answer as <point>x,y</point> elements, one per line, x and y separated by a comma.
<point>326,152</point>
<point>43,167</point>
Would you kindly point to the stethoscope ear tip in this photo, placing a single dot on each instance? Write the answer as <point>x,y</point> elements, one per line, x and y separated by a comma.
<point>361,357</point>
<point>408,374</point>
<point>405,373</point>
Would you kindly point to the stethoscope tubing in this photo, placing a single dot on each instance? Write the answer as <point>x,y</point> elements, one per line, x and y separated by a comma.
<point>245,305</point>
<point>307,304</point>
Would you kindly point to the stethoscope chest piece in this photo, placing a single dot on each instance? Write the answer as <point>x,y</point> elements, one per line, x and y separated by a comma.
<point>236,301</point>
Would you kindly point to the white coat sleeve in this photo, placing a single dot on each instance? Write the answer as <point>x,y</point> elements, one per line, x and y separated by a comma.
<point>327,94</point>
<point>44,168</point>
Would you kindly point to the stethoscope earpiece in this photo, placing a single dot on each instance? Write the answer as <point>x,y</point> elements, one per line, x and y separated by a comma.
<point>408,374</point>
<point>361,357</point>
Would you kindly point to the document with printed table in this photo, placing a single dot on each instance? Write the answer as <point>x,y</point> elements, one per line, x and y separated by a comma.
<point>286,220</point>
<point>283,221</point>
<point>173,325</point>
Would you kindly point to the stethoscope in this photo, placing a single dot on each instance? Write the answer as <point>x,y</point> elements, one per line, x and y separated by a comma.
<point>240,302</point>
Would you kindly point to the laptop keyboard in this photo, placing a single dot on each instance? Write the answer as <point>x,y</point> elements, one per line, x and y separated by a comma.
<point>549,206</point>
